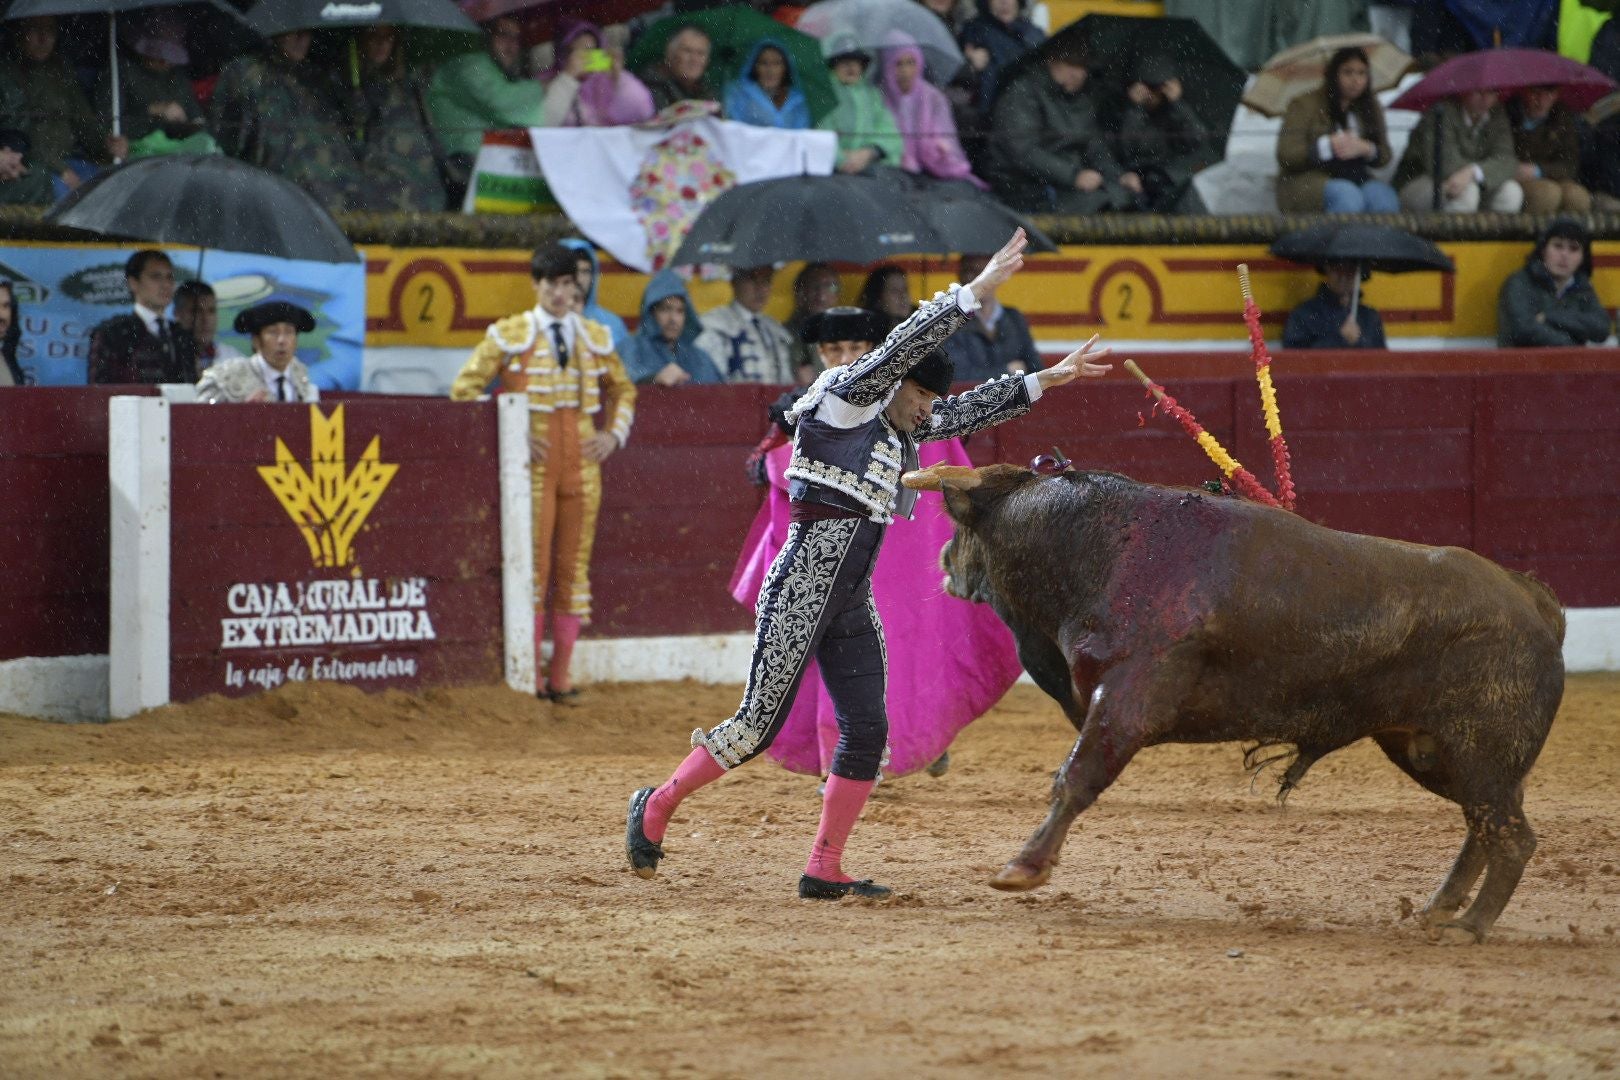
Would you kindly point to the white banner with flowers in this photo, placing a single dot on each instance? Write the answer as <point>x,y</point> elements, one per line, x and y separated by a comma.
<point>635,190</point>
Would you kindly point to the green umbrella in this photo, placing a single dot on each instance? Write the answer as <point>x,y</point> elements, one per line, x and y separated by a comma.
<point>734,31</point>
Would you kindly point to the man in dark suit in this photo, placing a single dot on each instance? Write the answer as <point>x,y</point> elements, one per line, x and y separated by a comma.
<point>144,346</point>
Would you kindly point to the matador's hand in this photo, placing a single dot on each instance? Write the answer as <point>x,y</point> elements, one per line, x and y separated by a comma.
<point>1002,265</point>
<point>598,446</point>
<point>1077,364</point>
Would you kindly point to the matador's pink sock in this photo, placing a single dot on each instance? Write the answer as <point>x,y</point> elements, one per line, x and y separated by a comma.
<point>564,632</point>
<point>698,769</point>
<point>840,809</point>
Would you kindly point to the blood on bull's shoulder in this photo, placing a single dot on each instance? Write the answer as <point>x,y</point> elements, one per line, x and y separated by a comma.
<point>1154,614</point>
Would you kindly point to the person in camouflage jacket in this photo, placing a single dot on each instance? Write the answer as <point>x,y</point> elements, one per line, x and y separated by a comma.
<point>282,114</point>
<point>58,121</point>
<point>400,158</point>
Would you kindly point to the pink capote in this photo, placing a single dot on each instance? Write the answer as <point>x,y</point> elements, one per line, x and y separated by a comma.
<point>949,660</point>
<point>924,118</point>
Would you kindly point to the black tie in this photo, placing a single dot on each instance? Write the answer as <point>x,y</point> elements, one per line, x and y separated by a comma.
<point>562,344</point>
<point>281,388</point>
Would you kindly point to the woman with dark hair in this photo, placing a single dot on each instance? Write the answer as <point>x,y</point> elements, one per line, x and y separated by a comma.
<point>10,335</point>
<point>887,292</point>
<point>1331,141</point>
<point>765,91</point>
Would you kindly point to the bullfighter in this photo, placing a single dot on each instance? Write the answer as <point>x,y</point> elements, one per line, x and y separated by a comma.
<point>857,430</point>
<point>566,365</point>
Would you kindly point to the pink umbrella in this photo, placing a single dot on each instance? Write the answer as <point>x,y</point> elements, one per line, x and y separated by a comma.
<point>1505,70</point>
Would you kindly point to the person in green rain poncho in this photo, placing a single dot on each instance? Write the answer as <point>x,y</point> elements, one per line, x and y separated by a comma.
<point>158,112</point>
<point>484,91</point>
<point>867,134</point>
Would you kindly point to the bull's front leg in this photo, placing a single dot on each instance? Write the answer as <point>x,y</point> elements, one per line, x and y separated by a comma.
<point>1125,709</point>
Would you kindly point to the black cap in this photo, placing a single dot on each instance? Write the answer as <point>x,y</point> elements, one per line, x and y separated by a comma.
<point>844,324</point>
<point>256,318</point>
<point>936,372</point>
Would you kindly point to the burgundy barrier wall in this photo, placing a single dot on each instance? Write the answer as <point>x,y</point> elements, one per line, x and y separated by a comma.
<point>1516,455</point>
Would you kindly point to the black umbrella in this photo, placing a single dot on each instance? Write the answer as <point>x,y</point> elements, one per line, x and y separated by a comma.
<point>841,218</point>
<point>1211,84</point>
<point>272,17</point>
<point>1371,247</point>
<point>26,9</point>
<point>212,202</point>
<point>966,220</point>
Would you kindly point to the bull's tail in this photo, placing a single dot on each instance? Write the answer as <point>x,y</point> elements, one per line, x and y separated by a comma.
<point>1545,600</point>
<point>1260,756</point>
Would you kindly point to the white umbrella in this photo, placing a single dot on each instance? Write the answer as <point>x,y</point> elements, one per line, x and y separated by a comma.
<point>870,22</point>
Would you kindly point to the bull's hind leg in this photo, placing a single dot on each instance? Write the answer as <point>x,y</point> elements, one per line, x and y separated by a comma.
<point>1507,842</point>
<point>1419,756</point>
<point>1453,892</point>
<point>1124,709</point>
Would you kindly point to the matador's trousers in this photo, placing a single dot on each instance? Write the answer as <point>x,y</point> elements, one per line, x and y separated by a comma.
<point>567,494</point>
<point>817,601</point>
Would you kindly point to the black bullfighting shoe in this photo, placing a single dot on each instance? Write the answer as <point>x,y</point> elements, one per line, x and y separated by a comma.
<point>642,852</point>
<point>814,888</point>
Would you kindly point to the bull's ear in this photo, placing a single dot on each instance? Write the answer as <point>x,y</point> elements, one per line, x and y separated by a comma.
<point>958,503</point>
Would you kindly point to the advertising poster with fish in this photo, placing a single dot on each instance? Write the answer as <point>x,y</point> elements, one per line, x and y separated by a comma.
<point>64,290</point>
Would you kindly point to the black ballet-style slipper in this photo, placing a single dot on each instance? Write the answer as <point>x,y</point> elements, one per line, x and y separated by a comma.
<point>814,888</point>
<point>560,697</point>
<point>642,852</point>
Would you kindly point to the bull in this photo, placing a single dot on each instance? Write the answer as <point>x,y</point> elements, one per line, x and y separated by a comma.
<point>1166,615</point>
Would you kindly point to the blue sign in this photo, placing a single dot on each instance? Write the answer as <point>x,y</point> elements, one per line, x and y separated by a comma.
<point>63,291</point>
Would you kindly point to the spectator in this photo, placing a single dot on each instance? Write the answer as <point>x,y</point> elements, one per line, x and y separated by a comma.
<point>923,114</point>
<point>284,114</point>
<point>1331,141</point>
<point>565,366</point>
<point>997,342</point>
<point>401,161</point>
<point>1551,300</point>
<point>955,14</point>
<point>665,348</point>
<point>765,91</point>
<point>588,86</point>
<point>1606,49</point>
<point>11,372</point>
<point>867,136</point>
<point>65,136</point>
<point>143,346</point>
<point>683,74</point>
<point>1162,142</point>
<point>887,292</point>
<point>1325,322</point>
<point>196,311</point>
<point>1476,158</point>
<point>22,181</point>
<point>747,344</point>
<point>273,372</point>
<point>481,91</point>
<point>158,112</point>
<point>1600,167</point>
<point>814,290</point>
<point>1548,145</point>
<point>991,42</point>
<point>1048,151</point>
<point>587,271</point>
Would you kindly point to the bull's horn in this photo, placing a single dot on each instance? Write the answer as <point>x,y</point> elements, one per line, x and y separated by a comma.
<point>929,479</point>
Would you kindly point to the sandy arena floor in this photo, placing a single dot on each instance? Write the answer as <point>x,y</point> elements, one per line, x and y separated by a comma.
<point>319,883</point>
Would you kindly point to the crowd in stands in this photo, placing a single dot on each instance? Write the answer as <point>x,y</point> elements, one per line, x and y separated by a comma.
<point>363,124</point>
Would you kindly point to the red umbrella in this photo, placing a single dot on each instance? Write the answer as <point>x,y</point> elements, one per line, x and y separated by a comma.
<point>1508,69</point>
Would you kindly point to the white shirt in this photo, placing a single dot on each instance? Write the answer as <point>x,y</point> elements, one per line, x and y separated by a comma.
<point>270,375</point>
<point>151,318</point>
<point>548,320</point>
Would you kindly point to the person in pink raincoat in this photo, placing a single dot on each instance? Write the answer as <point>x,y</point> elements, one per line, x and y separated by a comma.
<point>957,660</point>
<point>923,114</point>
<point>581,93</point>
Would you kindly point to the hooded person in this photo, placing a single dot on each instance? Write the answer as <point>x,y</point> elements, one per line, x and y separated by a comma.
<point>766,90</point>
<point>580,95</point>
<point>1550,301</point>
<point>664,350</point>
<point>992,42</point>
<point>866,131</point>
<point>923,114</point>
<point>933,692</point>
<point>591,308</point>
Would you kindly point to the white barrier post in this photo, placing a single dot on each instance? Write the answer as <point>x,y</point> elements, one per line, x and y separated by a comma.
<point>138,468</point>
<point>517,542</point>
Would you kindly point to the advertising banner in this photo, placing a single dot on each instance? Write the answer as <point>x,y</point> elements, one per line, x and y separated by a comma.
<point>359,543</point>
<point>64,290</point>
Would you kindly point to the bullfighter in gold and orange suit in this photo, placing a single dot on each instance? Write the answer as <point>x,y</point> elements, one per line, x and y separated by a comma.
<point>566,365</point>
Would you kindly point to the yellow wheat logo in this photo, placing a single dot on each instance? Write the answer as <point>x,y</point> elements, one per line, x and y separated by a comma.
<point>329,506</point>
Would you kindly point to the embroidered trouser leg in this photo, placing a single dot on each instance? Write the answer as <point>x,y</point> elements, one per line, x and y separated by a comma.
<point>567,491</point>
<point>819,586</point>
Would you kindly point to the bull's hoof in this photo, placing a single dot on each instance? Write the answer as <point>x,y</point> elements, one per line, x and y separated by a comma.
<point>1016,877</point>
<point>1430,917</point>
<point>1454,933</point>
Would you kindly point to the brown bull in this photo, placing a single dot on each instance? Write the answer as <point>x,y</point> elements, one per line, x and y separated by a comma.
<point>1157,615</point>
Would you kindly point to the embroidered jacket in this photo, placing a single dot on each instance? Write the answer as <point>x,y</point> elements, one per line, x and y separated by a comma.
<point>239,378</point>
<point>845,451</point>
<point>525,360</point>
